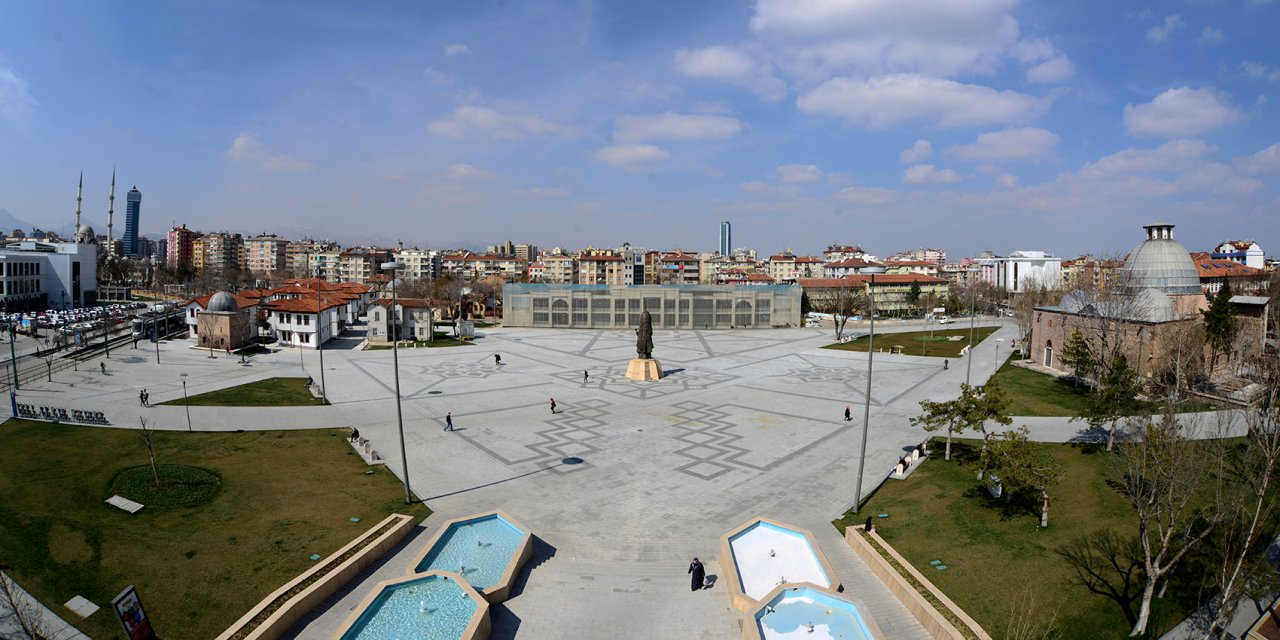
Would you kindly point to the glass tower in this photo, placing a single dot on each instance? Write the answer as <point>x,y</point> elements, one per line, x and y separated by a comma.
<point>133,204</point>
<point>725,245</point>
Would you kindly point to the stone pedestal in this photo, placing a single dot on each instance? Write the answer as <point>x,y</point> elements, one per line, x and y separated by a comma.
<point>644,369</point>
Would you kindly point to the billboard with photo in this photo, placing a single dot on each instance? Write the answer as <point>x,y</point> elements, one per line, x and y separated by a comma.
<point>132,616</point>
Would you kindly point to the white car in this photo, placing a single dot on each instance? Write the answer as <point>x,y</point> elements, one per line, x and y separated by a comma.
<point>945,320</point>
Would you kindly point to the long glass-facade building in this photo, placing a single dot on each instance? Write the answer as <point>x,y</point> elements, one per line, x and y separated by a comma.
<point>589,306</point>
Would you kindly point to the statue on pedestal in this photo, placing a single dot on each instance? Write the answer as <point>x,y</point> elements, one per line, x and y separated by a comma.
<point>644,337</point>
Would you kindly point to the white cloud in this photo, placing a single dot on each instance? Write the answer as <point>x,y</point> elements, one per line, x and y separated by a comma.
<point>636,158</point>
<point>798,173</point>
<point>436,76</point>
<point>247,148</point>
<point>16,104</point>
<point>1180,112</point>
<point>754,186</point>
<point>466,172</point>
<point>1266,161</point>
<point>1177,156</point>
<point>1209,36</point>
<point>504,125</point>
<point>1024,143</point>
<point>675,126</point>
<point>892,100</point>
<point>1163,31</point>
<point>550,192</point>
<point>1260,71</point>
<point>457,50</point>
<point>868,195</point>
<point>918,152</point>
<point>1007,181</point>
<point>835,179</point>
<point>928,174</point>
<point>1053,70</point>
<point>819,39</point>
<point>730,65</point>
<point>1045,64</point>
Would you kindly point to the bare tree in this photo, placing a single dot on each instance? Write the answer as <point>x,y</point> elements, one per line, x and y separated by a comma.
<point>1034,293</point>
<point>1107,564</point>
<point>1024,465</point>
<point>147,435</point>
<point>842,302</point>
<point>20,611</point>
<point>1248,484</point>
<point>1162,474</point>
<point>1028,622</point>
<point>1183,358</point>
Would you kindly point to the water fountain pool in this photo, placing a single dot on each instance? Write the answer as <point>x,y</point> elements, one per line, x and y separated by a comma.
<point>486,550</point>
<point>436,605</point>
<point>763,554</point>
<point>808,612</point>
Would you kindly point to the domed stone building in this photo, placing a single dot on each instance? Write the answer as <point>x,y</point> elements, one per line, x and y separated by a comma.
<point>222,321</point>
<point>1144,313</point>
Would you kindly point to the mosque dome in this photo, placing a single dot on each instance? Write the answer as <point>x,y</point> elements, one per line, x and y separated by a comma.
<point>1161,263</point>
<point>85,234</point>
<point>222,302</point>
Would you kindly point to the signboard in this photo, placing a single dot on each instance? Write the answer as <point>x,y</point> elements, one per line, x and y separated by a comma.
<point>132,617</point>
<point>939,309</point>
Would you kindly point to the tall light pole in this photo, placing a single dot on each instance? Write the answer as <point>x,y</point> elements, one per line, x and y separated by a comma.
<point>866,408</point>
<point>185,402</point>
<point>968,366</point>
<point>13,357</point>
<point>996,369</point>
<point>320,338</point>
<point>393,267</point>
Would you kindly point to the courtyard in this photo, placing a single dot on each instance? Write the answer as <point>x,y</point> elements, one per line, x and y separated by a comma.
<point>623,485</point>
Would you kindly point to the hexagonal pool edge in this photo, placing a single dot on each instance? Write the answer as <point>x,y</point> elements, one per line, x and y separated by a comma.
<point>524,550</point>
<point>478,629</point>
<point>740,600</point>
<point>751,628</point>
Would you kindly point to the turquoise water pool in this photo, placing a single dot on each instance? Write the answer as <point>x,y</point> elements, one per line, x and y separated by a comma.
<point>479,550</point>
<point>429,607</point>
<point>789,614</point>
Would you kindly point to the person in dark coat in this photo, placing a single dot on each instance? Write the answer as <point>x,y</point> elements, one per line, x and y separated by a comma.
<point>497,359</point>
<point>699,575</point>
<point>553,405</point>
<point>869,526</point>
<point>847,417</point>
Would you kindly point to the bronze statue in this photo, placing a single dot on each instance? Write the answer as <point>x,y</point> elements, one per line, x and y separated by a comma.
<point>644,337</point>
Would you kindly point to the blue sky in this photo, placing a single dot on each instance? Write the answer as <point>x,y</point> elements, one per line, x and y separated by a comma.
<point>890,123</point>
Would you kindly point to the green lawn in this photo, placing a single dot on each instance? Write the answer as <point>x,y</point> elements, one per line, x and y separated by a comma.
<point>996,553</point>
<point>272,392</point>
<point>920,343</point>
<point>1032,393</point>
<point>282,497</point>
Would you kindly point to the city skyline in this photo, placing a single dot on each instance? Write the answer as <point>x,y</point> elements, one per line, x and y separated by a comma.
<point>998,125</point>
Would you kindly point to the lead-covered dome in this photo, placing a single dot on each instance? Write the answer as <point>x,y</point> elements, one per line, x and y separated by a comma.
<point>1161,263</point>
<point>222,302</point>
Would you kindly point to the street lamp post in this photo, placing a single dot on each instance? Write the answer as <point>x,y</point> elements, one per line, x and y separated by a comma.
<point>996,368</point>
<point>320,338</point>
<point>968,366</point>
<point>185,403</point>
<point>155,331</point>
<point>393,267</point>
<point>13,357</point>
<point>866,408</point>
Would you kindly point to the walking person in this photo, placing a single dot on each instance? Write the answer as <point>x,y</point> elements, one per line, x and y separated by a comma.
<point>146,398</point>
<point>497,360</point>
<point>142,397</point>
<point>448,422</point>
<point>553,405</point>
<point>944,365</point>
<point>104,367</point>
<point>584,376</point>
<point>847,416</point>
<point>699,575</point>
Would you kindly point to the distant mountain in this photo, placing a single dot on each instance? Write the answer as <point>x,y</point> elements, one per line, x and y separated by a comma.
<point>9,222</point>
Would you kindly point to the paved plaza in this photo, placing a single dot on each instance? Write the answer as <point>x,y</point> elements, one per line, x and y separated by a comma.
<point>744,423</point>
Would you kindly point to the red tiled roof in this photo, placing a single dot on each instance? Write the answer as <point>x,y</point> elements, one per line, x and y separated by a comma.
<point>305,305</point>
<point>809,259</point>
<point>859,280</point>
<point>408,303</point>
<point>853,262</point>
<point>1222,268</point>
<point>601,258</point>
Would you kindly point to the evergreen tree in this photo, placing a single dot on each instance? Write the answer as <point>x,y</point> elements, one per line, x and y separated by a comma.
<point>1077,355</point>
<point>1115,397</point>
<point>913,296</point>
<point>1219,325</point>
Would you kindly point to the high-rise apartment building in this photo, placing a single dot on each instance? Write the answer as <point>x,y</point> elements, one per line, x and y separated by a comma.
<point>266,254</point>
<point>726,241</point>
<point>299,255</point>
<point>133,206</point>
<point>179,247</point>
<point>223,252</point>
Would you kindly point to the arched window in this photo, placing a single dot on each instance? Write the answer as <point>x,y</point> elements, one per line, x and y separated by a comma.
<point>559,313</point>
<point>1048,353</point>
<point>742,314</point>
